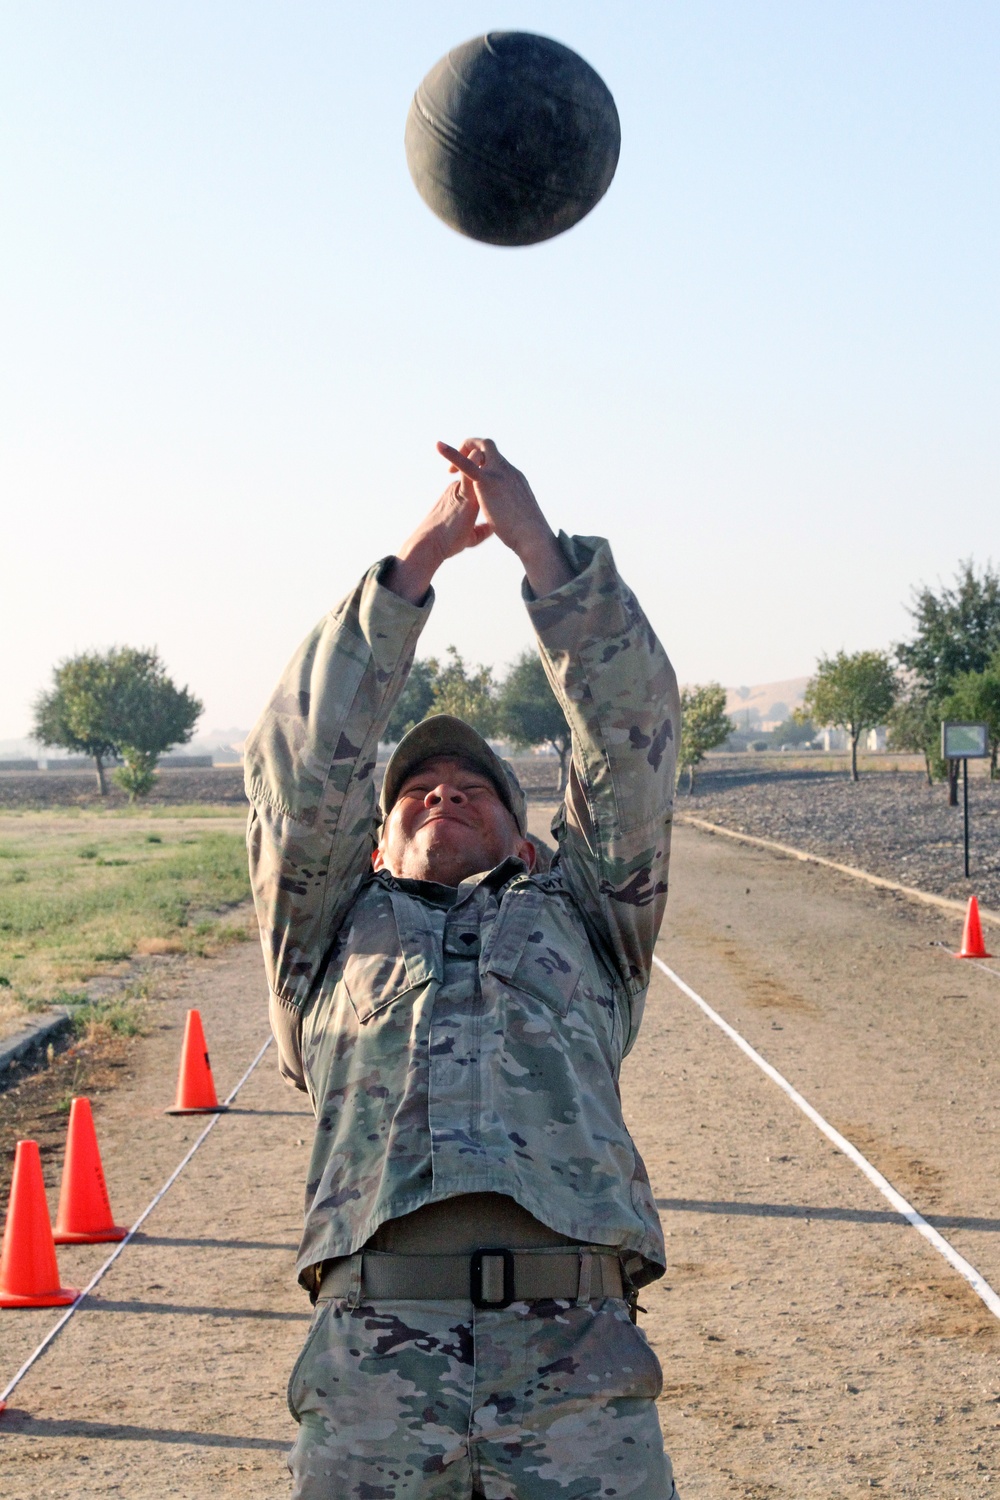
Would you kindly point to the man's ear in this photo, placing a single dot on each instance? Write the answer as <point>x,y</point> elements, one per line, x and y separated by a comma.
<point>378,863</point>
<point>527,851</point>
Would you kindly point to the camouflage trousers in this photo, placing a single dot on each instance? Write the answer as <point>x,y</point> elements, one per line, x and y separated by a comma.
<point>439,1401</point>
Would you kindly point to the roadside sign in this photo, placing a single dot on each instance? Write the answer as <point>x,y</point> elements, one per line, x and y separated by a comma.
<point>964,741</point>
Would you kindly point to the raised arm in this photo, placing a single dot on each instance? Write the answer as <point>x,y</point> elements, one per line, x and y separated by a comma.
<point>311,757</point>
<point>619,694</point>
<point>309,779</point>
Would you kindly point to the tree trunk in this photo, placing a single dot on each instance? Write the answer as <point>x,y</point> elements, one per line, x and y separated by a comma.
<point>101,783</point>
<point>953,783</point>
<point>691,779</point>
<point>854,755</point>
<point>927,769</point>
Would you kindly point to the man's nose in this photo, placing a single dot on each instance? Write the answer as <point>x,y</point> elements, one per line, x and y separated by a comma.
<point>444,792</point>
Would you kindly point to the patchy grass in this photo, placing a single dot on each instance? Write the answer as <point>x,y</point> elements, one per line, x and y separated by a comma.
<point>123,1014</point>
<point>83,892</point>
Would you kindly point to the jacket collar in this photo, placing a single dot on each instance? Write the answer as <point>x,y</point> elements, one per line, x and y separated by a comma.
<point>495,880</point>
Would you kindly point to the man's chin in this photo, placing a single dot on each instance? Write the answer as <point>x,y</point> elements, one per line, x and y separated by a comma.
<point>447,860</point>
<point>450,869</point>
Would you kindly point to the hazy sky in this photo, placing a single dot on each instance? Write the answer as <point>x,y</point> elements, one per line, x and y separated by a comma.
<point>766,366</point>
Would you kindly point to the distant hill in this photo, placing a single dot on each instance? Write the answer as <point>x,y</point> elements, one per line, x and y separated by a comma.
<point>765,705</point>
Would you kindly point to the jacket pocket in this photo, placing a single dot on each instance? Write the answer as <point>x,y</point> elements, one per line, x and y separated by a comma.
<point>391,946</point>
<point>536,947</point>
<point>373,981</point>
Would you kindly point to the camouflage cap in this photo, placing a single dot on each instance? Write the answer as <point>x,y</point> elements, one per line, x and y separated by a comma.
<point>443,734</point>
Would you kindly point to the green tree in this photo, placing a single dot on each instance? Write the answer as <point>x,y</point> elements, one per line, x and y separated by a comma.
<point>975,697</point>
<point>528,712</point>
<point>704,724</point>
<point>416,700</point>
<point>466,692</point>
<point>956,630</point>
<point>77,712</point>
<point>153,714</point>
<point>793,732</point>
<point>137,775</point>
<point>117,704</point>
<point>915,724</point>
<point>853,692</point>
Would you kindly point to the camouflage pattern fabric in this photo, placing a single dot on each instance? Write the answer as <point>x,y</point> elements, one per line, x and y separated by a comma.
<point>474,1048</point>
<point>433,1401</point>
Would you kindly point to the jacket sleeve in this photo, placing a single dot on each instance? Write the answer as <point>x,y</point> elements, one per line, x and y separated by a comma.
<point>619,694</point>
<point>309,780</point>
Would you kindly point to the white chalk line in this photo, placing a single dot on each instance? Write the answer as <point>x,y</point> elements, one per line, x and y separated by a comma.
<point>976,961</point>
<point>978,1283</point>
<point>54,1332</point>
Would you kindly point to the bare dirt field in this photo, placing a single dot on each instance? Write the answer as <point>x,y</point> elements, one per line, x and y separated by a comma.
<point>221,785</point>
<point>813,1343</point>
<point>40,789</point>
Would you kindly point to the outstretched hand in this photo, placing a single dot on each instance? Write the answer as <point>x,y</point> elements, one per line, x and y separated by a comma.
<point>501,492</point>
<point>490,488</point>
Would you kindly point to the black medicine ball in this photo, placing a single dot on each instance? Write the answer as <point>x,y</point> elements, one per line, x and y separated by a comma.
<point>512,138</point>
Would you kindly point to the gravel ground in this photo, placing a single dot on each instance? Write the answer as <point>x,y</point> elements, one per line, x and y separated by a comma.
<point>889,823</point>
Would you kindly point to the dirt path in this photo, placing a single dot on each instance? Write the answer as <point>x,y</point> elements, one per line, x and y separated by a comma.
<point>813,1344</point>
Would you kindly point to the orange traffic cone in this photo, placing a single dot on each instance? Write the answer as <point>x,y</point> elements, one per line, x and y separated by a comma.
<point>84,1216</point>
<point>29,1275</point>
<point>195,1086</point>
<point>972,936</point>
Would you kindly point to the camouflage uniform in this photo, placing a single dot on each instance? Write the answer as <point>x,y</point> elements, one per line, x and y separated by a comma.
<point>472,1047</point>
<point>544,1400</point>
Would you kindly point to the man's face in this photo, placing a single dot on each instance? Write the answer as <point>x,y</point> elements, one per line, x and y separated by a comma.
<point>448,823</point>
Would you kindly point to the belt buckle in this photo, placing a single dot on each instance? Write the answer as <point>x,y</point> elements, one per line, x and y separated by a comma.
<point>476,1278</point>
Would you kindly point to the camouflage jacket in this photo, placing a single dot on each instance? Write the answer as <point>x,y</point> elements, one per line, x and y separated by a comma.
<point>471,1047</point>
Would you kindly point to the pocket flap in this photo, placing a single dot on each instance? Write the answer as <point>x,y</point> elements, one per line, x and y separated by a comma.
<point>374,980</point>
<point>547,969</point>
<point>536,947</point>
<point>392,946</point>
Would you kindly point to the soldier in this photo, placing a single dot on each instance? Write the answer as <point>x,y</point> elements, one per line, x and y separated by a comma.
<point>478,1219</point>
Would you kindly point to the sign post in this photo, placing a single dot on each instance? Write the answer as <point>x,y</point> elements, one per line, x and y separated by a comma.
<point>964,742</point>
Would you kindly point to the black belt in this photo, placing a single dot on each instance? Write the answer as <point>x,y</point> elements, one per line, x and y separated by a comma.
<point>488,1278</point>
